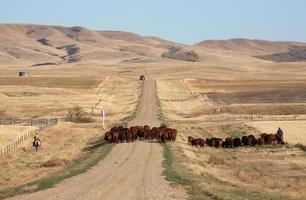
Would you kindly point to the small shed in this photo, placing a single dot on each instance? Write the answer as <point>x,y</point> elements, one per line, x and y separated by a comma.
<point>24,74</point>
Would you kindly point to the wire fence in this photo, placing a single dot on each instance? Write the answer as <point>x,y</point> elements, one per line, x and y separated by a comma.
<point>29,122</point>
<point>237,117</point>
<point>40,123</point>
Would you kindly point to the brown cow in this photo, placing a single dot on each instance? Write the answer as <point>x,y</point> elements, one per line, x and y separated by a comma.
<point>244,140</point>
<point>146,132</point>
<point>190,139</point>
<point>228,143</point>
<point>108,137</point>
<point>128,135</point>
<point>153,133</point>
<point>264,138</point>
<point>208,142</point>
<point>201,142</point>
<point>216,142</point>
<point>164,136</point>
<point>252,140</point>
<point>172,133</point>
<point>237,142</point>
<point>260,141</point>
<point>116,135</point>
<point>271,138</point>
<point>195,142</point>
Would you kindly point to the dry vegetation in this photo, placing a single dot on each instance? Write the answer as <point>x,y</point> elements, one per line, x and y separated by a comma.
<point>273,172</point>
<point>90,89</point>
<point>228,79</point>
<point>9,134</point>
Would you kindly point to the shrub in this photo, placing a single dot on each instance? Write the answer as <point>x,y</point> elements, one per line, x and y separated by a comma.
<point>77,115</point>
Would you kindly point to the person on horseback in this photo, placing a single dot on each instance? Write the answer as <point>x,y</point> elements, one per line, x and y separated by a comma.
<point>36,137</point>
<point>36,142</point>
<point>280,134</point>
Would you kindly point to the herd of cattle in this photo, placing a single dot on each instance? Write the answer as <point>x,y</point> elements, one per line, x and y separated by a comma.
<point>163,134</point>
<point>120,134</point>
<point>230,142</point>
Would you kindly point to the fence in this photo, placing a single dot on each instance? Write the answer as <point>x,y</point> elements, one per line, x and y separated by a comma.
<point>41,123</point>
<point>29,122</point>
<point>17,142</point>
<point>239,117</point>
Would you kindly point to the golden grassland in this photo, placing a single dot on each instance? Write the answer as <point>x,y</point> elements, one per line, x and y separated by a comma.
<point>53,98</point>
<point>273,172</point>
<point>9,134</point>
<point>219,84</point>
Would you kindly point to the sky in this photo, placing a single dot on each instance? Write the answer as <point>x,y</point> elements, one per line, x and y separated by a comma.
<point>184,21</point>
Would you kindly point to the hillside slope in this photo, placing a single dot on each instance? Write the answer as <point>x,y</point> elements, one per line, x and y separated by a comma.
<point>37,45</point>
<point>250,47</point>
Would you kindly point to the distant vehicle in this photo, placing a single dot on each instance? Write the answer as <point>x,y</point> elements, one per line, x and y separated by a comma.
<point>142,77</point>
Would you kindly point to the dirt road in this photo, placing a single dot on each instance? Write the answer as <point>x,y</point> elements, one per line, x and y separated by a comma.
<point>130,171</point>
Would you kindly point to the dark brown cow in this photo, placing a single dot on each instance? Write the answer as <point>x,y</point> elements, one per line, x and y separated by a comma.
<point>153,133</point>
<point>252,140</point>
<point>195,142</point>
<point>237,142</point>
<point>160,132</point>
<point>190,139</point>
<point>116,135</point>
<point>208,142</point>
<point>201,142</point>
<point>172,134</point>
<point>244,141</point>
<point>264,138</point>
<point>228,143</point>
<point>216,142</point>
<point>128,135</point>
<point>260,141</point>
<point>146,132</point>
<point>164,136</point>
<point>108,137</point>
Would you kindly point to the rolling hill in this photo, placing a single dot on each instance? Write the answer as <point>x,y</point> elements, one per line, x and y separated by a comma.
<point>250,47</point>
<point>39,45</point>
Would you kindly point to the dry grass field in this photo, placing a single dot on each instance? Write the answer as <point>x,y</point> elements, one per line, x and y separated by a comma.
<point>9,134</point>
<point>273,172</point>
<point>96,70</point>
<point>49,95</point>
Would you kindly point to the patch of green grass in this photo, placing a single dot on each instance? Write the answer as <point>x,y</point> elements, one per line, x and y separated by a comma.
<point>159,105</point>
<point>78,166</point>
<point>271,146</point>
<point>237,129</point>
<point>176,174</point>
<point>170,172</point>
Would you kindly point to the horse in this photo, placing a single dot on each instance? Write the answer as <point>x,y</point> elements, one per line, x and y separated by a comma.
<point>36,144</point>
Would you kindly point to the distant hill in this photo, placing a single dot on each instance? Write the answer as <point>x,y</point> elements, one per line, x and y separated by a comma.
<point>40,45</point>
<point>295,54</point>
<point>37,45</point>
<point>250,47</point>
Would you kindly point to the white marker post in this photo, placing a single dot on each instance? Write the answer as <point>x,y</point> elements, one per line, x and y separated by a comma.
<point>103,118</point>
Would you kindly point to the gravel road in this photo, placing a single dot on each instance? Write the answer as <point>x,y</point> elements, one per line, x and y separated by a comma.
<point>129,172</point>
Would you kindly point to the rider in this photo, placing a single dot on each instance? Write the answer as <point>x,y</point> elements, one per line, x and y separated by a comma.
<point>280,134</point>
<point>36,137</point>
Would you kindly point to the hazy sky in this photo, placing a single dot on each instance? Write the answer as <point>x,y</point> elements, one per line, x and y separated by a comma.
<point>186,21</point>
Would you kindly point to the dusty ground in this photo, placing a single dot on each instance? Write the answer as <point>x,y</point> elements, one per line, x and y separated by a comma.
<point>130,170</point>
